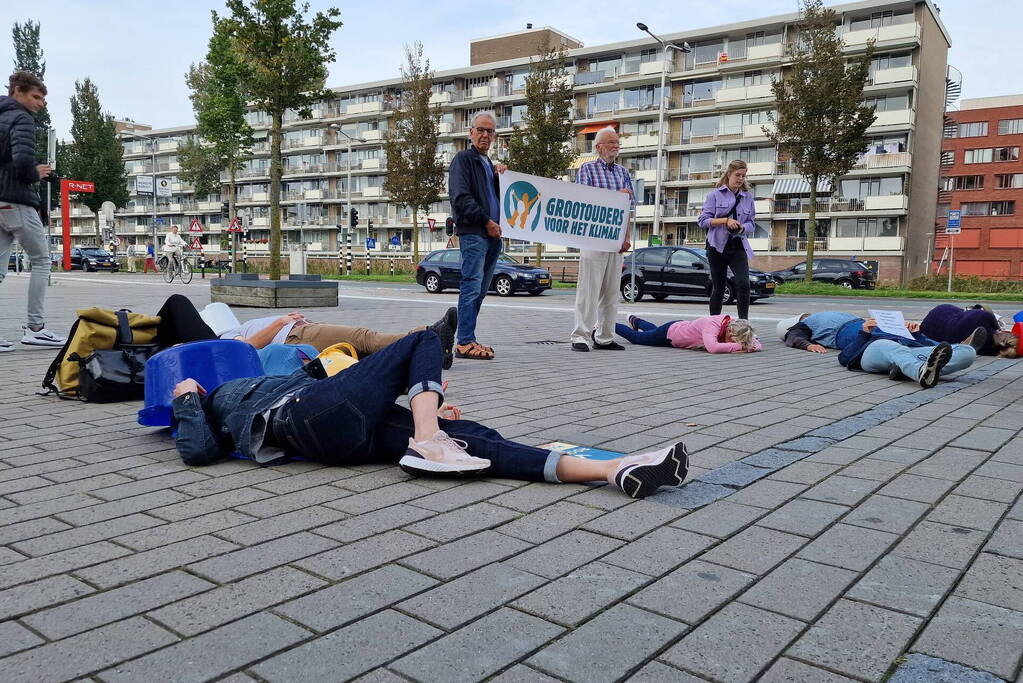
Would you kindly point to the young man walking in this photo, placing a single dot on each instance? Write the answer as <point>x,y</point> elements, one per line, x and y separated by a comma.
<point>19,200</point>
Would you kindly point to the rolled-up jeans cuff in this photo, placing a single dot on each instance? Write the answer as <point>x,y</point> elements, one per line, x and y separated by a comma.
<point>550,468</point>
<point>420,387</point>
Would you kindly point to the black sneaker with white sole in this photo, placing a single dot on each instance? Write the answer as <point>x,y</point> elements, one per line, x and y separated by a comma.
<point>661,468</point>
<point>938,359</point>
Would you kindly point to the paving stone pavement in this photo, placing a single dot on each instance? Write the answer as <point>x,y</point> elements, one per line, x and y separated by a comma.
<point>837,526</point>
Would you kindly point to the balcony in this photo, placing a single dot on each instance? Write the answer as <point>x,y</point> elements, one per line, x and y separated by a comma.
<point>373,135</point>
<point>312,194</point>
<point>762,206</point>
<point>374,163</point>
<point>896,75</point>
<point>861,244</point>
<point>895,160</point>
<point>210,206</point>
<point>303,169</point>
<point>648,175</point>
<point>445,128</point>
<point>645,211</point>
<point>770,51</point>
<point>365,108</point>
<point>375,191</point>
<point>899,117</point>
<point>895,202</point>
<point>800,205</point>
<point>167,145</point>
<point>759,168</point>
<point>901,32</point>
<point>292,143</point>
<point>440,98</point>
<point>751,92</point>
<point>642,140</point>
<point>755,130</point>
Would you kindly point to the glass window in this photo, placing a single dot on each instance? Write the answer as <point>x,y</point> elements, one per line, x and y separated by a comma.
<point>652,257</point>
<point>636,98</point>
<point>1003,208</point>
<point>705,52</point>
<point>451,256</point>
<point>696,91</point>
<point>1009,180</point>
<point>681,257</point>
<point>1010,127</point>
<point>1006,154</point>
<point>704,126</point>
<point>697,161</point>
<point>974,129</point>
<point>603,101</point>
<point>962,182</point>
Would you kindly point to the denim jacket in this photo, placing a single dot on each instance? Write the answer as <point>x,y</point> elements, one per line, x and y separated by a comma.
<point>211,427</point>
<point>467,187</point>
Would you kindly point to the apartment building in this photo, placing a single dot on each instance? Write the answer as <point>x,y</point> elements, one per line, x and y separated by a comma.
<point>718,98</point>
<point>982,177</point>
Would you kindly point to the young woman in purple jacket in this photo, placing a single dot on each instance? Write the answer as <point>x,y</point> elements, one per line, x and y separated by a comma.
<point>729,218</point>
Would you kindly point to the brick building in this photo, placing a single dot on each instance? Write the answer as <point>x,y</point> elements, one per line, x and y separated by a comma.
<point>982,176</point>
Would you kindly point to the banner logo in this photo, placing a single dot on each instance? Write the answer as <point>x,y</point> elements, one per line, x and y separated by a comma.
<point>520,200</point>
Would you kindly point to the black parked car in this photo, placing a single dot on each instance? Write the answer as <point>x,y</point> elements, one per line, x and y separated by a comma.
<point>841,272</point>
<point>682,271</point>
<point>442,269</point>
<point>92,258</point>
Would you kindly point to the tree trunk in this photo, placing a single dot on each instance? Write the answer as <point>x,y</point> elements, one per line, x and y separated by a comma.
<point>415,237</point>
<point>811,230</point>
<point>231,217</point>
<point>275,194</point>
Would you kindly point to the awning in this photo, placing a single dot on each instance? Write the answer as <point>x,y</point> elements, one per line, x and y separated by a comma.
<point>798,186</point>
<point>582,159</point>
<point>594,127</point>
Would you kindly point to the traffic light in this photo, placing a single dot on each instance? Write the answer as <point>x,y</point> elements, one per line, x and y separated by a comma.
<point>353,218</point>
<point>449,226</point>
<point>369,227</point>
<point>225,208</point>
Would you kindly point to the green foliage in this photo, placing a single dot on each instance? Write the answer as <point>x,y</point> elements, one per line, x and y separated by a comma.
<point>95,153</point>
<point>543,146</point>
<point>965,283</point>
<point>28,56</point>
<point>822,121</point>
<point>281,58</point>
<point>200,165</point>
<point>415,175</point>
<point>926,287</point>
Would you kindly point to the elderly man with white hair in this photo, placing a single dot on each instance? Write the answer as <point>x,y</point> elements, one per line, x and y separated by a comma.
<point>473,188</point>
<point>596,294</point>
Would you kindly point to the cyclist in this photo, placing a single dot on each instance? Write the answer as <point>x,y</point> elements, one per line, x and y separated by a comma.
<point>173,244</point>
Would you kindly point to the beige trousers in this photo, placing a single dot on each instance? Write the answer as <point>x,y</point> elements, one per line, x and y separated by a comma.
<point>322,335</point>
<point>596,296</point>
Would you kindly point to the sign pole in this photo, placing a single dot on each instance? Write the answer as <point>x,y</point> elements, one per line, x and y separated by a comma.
<point>952,228</point>
<point>951,258</point>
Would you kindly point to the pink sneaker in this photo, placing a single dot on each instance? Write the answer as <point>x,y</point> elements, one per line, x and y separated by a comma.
<point>440,455</point>
<point>641,475</point>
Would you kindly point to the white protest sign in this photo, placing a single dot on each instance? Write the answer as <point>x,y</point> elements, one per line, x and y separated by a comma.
<point>891,322</point>
<point>536,209</point>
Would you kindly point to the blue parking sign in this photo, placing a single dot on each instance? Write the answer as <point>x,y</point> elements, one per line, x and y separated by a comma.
<point>954,217</point>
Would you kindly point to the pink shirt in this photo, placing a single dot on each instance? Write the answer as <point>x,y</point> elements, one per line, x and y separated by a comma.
<point>705,333</point>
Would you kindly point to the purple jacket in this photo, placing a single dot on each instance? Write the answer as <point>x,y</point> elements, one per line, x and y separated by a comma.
<point>718,205</point>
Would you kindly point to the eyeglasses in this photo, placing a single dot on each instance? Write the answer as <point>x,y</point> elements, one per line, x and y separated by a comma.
<point>485,131</point>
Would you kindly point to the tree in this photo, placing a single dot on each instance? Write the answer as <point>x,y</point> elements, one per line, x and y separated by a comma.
<point>220,122</point>
<point>281,64</point>
<point>822,121</point>
<point>28,56</point>
<point>96,152</point>
<point>415,175</point>
<point>543,146</point>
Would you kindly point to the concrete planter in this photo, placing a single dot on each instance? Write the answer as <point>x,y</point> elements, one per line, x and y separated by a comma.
<point>295,293</point>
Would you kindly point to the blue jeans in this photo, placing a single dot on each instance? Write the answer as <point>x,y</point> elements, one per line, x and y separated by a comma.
<point>648,334</point>
<point>479,256</point>
<point>351,418</point>
<point>881,355</point>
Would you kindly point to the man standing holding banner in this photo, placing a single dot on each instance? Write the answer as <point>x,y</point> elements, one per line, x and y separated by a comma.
<point>596,294</point>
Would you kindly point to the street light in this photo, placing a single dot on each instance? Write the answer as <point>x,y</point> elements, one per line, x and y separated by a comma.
<point>348,193</point>
<point>660,119</point>
<point>152,149</point>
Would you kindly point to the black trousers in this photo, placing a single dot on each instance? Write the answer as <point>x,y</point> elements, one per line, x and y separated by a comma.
<point>734,258</point>
<point>180,323</point>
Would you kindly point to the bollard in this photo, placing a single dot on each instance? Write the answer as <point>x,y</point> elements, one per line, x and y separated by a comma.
<point>367,264</point>
<point>392,267</point>
<point>348,257</point>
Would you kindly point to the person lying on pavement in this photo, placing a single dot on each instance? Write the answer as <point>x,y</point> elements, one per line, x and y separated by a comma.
<point>713,333</point>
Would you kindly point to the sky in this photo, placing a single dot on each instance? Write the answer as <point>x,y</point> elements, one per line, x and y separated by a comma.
<point>137,53</point>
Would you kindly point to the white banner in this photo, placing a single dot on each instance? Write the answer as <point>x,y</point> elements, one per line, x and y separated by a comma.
<point>163,188</point>
<point>144,184</point>
<point>536,209</point>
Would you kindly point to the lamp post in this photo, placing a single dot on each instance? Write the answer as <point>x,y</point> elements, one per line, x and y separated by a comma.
<point>660,119</point>
<point>152,151</point>
<point>348,167</point>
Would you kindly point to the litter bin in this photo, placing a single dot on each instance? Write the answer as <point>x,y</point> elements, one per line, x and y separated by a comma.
<point>296,256</point>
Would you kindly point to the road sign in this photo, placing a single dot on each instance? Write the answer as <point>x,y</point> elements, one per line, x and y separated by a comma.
<point>371,243</point>
<point>432,222</point>
<point>196,244</point>
<point>954,217</point>
<point>235,225</point>
<point>953,230</point>
<point>159,221</point>
<point>116,241</point>
<point>195,226</point>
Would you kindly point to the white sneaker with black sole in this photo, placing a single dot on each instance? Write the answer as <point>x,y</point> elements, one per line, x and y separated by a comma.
<point>440,455</point>
<point>938,359</point>
<point>641,475</point>
<point>42,337</point>
<point>5,345</point>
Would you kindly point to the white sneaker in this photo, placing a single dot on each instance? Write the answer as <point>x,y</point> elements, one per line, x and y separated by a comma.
<point>42,338</point>
<point>441,455</point>
<point>5,345</point>
<point>641,475</point>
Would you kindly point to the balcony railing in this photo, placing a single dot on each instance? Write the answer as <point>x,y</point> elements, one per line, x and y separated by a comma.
<point>799,205</point>
<point>799,244</point>
<point>580,113</point>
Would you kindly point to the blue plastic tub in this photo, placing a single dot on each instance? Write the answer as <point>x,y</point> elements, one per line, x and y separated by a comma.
<point>210,363</point>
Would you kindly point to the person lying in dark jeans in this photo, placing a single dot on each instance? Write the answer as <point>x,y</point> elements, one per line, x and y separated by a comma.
<point>351,418</point>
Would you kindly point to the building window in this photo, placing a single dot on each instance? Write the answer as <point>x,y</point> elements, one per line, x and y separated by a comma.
<point>1006,208</point>
<point>887,102</point>
<point>990,154</point>
<point>975,129</point>
<point>943,209</point>
<point>948,157</point>
<point>1009,181</point>
<point>962,182</point>
<point>1010,127</point>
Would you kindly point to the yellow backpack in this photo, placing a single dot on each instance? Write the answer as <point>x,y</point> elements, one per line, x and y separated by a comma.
<point>95,329</point>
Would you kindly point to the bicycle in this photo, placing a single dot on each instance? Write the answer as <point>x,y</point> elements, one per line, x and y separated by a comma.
<point>180,267</point>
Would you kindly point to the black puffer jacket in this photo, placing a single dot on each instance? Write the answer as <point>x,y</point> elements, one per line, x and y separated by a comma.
<point>18,173</point>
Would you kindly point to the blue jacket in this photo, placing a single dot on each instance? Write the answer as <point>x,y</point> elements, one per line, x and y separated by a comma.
<point>211,427</point>
<point>467,187</point>
<point>850,356</point>
<point>18,174</point>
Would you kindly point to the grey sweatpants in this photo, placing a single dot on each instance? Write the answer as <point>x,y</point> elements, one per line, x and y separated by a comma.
<point>21,222</point>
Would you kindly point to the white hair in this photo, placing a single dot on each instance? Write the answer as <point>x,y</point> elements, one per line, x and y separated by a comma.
<point>489,114</point>
<point>603,133</point>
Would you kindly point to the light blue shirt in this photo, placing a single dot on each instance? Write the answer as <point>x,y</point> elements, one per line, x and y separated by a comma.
<point>495,205</point>
<point>824,326</point>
